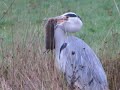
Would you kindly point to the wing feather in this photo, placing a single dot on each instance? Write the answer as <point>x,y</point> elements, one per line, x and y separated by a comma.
<point>83,68</point>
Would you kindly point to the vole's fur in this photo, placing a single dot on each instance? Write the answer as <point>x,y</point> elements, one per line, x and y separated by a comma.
<point>49,34</point>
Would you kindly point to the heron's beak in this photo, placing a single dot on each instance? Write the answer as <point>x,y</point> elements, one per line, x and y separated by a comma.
<point>61,19</point>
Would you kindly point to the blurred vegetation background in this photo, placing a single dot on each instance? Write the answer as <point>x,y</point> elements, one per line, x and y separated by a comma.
<point>101,19</point>
<point>22,23</point>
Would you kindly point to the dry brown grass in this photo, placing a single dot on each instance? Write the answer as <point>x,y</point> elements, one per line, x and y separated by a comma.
<point>24,66</point>
<point>112,68</point>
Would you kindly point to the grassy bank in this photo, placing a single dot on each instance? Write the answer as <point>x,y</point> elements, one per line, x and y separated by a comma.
<point>23,66</point>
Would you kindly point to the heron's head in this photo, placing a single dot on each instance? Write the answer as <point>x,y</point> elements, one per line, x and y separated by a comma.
<point>69,21</point>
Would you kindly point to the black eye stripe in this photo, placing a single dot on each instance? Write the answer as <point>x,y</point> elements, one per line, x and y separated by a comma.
<point>71,15</point>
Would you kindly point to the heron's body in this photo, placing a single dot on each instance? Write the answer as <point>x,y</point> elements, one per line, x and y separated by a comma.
<point>82,68</point>
<point>79,63</point>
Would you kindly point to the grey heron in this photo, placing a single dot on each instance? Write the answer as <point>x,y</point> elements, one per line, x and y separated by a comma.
<point>80,65</point>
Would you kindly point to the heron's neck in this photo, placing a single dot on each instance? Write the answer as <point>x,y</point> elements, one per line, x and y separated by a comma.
<point>59,40</point>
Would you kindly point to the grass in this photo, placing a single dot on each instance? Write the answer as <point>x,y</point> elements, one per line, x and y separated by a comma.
<point>23,66</point>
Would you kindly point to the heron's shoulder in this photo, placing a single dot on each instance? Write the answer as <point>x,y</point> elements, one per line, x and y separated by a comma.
<point>79,45</point>
<point>72,40</point>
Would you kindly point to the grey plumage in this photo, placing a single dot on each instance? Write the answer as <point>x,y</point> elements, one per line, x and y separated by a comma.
<point>82,68</point>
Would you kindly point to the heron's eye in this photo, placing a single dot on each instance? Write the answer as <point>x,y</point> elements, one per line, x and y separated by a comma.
<point>67,17</point>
